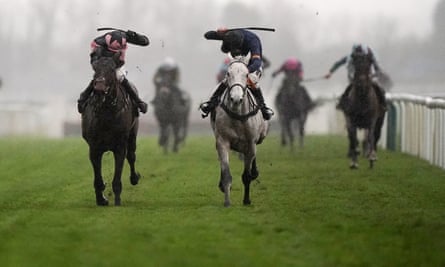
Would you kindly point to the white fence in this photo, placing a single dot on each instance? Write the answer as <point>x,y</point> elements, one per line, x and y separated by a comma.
<point>31,118</point>
<point>416,125</point>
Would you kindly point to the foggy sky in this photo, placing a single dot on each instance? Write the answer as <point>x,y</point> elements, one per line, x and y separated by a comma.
<point>45,43</point>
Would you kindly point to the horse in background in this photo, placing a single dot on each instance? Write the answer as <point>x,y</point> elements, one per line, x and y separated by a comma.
<point>293,105</point>
<point>363,111</point>
<point>110,123</point>
<point>238,126</point>
<point>172,113</point>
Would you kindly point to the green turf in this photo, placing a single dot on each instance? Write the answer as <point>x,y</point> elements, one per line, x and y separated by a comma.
<point>308,208</point>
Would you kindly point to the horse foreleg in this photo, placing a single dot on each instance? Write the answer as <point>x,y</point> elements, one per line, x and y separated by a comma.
<point>99,186</point>
<point>247,177</point>
<point>225,182</point>
<point>131,158</point>
<point>353,143</point>
<point>119,157</point>
<point>372,156</point>
<point>163,137</point>
<point>176,136</point>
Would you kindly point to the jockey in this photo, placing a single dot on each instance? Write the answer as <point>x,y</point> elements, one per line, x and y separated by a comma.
<point>239,42</point>
<point>293,71</point>
<point>357,49</point>
<point>292,67</point>
<point>106,46</point>
<point>167,75</point>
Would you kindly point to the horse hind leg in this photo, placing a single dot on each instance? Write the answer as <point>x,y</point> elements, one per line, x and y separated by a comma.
<point>99,186</point>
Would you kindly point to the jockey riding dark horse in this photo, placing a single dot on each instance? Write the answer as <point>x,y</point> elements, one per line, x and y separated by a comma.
<point>239,42</point>
<point>106,46</point>
<point>293,75</point>
<point>357,50</point>
<point>168,74</point>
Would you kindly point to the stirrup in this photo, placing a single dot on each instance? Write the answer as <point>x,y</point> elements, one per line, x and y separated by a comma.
<point>267,113</point>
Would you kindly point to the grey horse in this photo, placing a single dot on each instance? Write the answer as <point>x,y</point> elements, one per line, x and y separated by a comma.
<point>238,126</point>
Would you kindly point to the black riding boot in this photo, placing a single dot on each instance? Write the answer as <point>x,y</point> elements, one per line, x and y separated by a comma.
<point>131,90</point>
<point>380,95</point>
<point>210,105</point>
<point>342,104</point>
<point>82,101</point>
<point>267,112</point>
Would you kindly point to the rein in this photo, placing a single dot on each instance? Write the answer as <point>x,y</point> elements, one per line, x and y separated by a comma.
<point>236,116</point>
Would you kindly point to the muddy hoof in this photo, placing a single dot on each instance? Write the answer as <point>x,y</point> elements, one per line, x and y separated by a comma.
<point>134,179</point>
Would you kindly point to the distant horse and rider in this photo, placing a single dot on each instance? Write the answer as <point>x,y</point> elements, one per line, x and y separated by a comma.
<point>292,101</point>
<point>363,103</point>
<point>171,106</point>
<point>235,107</point>
<point>109,108</point>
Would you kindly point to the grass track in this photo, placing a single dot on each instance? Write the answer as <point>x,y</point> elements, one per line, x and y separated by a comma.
<point>308,209</point>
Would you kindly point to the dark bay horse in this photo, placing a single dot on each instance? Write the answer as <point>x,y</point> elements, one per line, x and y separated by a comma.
<point>293,105</point>
<point>363,111</point>
<point>110,123</point>
<point>172,113</point>
<point>238,126</point>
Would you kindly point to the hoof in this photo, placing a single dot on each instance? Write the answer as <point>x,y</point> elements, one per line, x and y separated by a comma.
<point>102,202</point>
<point>117,202</point>
<point>246,202</point>
<point>134,179</point>
<point>353,166</point>
<point>226,204</point>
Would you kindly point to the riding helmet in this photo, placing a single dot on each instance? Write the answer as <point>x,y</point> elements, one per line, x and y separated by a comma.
<point>232,42</point>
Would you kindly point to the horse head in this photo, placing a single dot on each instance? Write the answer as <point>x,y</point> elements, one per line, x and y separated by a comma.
<point>105,74</point>
<point>236,79</point>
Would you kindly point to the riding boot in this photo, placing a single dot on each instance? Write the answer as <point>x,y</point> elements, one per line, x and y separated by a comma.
<point>131,90</point>
<point>342,104</point>
<point>82,101</point>
<point>267,112</point>
<point>380,95</point>
<point>210,105</point>
<point>308,99</point>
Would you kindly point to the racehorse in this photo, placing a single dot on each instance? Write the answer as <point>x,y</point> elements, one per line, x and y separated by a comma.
<point>293,105</point>
<point>172,113</point>
<point>110,123</point>
<point>238,126</point>
<point>363,111</point>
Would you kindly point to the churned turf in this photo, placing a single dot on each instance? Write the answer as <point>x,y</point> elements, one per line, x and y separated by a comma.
<point>308,208</point>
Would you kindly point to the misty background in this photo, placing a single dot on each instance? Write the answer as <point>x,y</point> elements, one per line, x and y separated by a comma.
<point>45,44</point>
